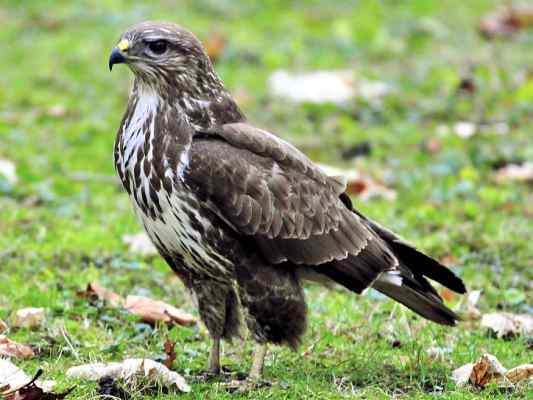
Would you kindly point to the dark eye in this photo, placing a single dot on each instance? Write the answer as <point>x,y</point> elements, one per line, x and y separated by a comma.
<point>158,46</point>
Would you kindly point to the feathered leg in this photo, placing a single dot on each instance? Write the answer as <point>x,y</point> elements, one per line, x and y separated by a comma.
<point>217,306</point>
<point>258,361</point>
<point>214,357</point>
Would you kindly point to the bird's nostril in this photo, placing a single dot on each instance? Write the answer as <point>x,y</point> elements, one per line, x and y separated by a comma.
<point>123,45</point>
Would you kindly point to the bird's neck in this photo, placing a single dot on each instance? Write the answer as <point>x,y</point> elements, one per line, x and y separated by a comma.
<point>204,104</point>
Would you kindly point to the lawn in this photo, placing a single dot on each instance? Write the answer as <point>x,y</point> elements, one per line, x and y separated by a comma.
<point>62,222</point>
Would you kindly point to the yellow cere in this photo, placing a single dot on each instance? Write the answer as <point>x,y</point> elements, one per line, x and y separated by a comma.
<point>123,45</point>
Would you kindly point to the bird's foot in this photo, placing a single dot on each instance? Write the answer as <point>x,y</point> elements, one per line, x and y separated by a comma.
<point>254,379</point>
<point>207,376</point>
<point>224,374</point>
<point>245,385</point>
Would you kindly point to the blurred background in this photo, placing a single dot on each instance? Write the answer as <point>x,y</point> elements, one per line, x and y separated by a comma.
<point>425,106</point>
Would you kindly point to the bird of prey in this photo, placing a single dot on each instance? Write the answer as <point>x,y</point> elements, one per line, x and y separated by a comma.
<point>240,215</point>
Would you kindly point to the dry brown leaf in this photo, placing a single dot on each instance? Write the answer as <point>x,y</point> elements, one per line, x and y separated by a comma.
<point>215,45</point>
<point>506,22</point>
<point>485,370</point>
<point>450,260</point>
<point>128,370</point>
<point>31,317</point>
<point>467,85</point>
<point>170,353</point>
<point>3,326</point>
<point>140,243</point>
<point>488,369</point>
<point>149,310</point>
<point>515,172</point>
<point>94,289</point>
<point>12,378</point>
<point>507,324</point>
<point>448,295</point>
<point>519,374</point>
<point>31,389</point>
<point>10,348</point>
<point>152,311</point>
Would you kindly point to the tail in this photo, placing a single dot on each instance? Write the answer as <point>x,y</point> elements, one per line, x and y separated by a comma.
<point>405,281</point>
<point>411,288</point>
<point>425,303</point>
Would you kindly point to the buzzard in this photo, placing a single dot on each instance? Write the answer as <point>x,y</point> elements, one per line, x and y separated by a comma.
<point>240,215</point>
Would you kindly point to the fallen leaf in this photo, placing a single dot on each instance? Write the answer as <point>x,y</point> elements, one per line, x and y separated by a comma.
<point>149,310</point>
<point>128,370</point>
<point>450,260</point>
<point>507,324</point>
<point>467,85</point>
<point>170,353</point>
<point>11,376</point>
<point>152,311</point>
<point>461,375</point>
<point>465,129</point>
<point>320,87</point>
<point>314,87</point>
<point>521,373</point>
<point>8,171</point>
<point>31,389</point>
<point>94,289</point>
<point>10,348</point>
<point>506,22</point>
<point>488,369</point>
<point>448,295</point>
<point>28,317</point>
<point>140,243</point>
<point>215,45</point>
<point>3,326</point>
<point>359,185</point>
<point>515,172</point>
<point>471,312</point>
<point>485,370</point>
<point>56,111</point>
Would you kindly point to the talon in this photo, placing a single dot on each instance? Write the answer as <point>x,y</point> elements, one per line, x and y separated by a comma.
<point>244,386</point>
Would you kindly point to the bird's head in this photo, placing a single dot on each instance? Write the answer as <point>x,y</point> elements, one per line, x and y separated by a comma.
<point>164,55</point>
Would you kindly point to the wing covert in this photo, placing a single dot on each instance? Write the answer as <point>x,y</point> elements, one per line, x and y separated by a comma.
<point>265,188</point>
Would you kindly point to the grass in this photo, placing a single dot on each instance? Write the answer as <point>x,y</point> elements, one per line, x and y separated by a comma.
<point>60,232</point>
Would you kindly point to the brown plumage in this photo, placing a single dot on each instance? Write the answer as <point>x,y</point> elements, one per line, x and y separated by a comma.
<point>240,215</point>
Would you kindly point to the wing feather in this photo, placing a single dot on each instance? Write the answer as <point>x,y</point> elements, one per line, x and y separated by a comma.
<point>265,188</point>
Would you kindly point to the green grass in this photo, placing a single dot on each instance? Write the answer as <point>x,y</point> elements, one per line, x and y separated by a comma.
<point>59,232</point>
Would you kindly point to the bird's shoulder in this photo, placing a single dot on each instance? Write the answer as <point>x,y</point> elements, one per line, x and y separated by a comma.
<point>250,144</point>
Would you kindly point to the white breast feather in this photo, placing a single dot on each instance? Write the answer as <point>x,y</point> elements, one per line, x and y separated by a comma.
<point>173,226</point>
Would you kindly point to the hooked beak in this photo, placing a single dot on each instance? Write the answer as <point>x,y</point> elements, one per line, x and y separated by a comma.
<point>117,55</point>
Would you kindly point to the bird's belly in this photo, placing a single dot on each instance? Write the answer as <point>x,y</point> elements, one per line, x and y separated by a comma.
<point>182,231</point>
